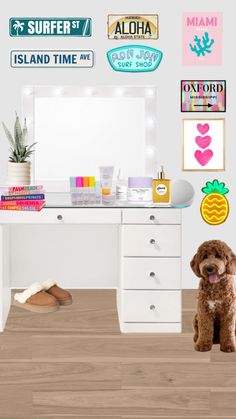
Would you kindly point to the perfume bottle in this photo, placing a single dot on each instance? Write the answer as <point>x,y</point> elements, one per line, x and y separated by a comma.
<point>161,188</point>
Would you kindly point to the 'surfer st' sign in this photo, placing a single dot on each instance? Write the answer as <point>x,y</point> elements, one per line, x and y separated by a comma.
<point>134,58</point>
<point>76,26</point>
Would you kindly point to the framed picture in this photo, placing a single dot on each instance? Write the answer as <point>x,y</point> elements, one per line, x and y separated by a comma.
<point>203,95</point>
<point>203,144</point>
<point>202,38</point>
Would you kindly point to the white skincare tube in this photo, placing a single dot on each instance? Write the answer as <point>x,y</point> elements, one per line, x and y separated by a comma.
<point>106,174</point>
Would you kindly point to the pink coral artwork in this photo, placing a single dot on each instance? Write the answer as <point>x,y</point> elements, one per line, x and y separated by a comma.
<point>203,144</point>
<point>202,38</point>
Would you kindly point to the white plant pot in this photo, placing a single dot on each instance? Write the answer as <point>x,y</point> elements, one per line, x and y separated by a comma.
<point>18,174</point>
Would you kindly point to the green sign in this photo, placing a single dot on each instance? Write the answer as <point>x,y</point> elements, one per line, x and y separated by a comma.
<point>76,26</point>
<point>134,58</point>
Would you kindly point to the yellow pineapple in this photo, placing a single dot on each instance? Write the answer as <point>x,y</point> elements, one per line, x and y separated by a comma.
<point>215,206</point>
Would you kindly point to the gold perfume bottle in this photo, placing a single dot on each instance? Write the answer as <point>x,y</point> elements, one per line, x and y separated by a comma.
<point>161,188</point>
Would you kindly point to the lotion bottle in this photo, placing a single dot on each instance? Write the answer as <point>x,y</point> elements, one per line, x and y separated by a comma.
<point>161,188</point>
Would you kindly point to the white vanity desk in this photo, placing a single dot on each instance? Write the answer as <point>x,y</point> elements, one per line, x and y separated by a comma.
<point>149,291</point>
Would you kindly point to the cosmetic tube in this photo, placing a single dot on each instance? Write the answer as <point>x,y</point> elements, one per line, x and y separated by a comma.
<point>106,174</point>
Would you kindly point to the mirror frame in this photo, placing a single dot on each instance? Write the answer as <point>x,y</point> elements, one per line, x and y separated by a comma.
<point>148,93</point>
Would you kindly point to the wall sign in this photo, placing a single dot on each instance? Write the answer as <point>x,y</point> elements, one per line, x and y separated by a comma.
<point>133,27</point>
<point>202,38</point>
<point>52,58</point>
<point>215,207</point>
<point>76,26</point>
<point>203,95</point>
<point>203,144</point>
<point>134,58</point>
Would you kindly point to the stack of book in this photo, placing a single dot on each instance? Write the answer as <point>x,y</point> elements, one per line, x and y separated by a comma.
<point>22,198</point>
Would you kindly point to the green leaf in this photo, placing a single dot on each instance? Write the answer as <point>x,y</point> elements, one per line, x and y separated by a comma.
<point>24,133</point>
<point>215,187</point>
<point>8,134</point>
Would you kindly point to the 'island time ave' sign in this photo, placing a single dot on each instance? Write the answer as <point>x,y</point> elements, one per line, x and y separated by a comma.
<point>52,58</point>
<point>77,26</point>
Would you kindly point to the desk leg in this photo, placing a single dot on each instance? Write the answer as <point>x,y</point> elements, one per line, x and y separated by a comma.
<point>5,289</point>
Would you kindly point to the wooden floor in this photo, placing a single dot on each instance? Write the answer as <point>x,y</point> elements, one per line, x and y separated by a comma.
<point>76,364</point>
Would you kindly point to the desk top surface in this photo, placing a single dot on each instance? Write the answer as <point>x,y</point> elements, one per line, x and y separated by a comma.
<point>63,200</point>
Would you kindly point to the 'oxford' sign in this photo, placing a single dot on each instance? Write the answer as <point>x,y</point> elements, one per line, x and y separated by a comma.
<point>76,26</point>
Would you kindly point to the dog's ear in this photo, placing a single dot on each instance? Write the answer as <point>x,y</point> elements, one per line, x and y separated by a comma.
<point>195,265</point>
<point>231,264</point>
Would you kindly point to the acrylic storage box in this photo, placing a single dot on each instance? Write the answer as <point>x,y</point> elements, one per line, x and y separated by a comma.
<point>85,196</point>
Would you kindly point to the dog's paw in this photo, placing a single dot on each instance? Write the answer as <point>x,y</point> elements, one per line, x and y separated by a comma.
<point>230,347</point>
<point>203,347</point>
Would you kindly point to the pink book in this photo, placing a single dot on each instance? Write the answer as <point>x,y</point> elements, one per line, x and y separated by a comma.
<point>22,202</point>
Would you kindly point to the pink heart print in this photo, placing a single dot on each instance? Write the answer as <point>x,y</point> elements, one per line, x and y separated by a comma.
<point>203,128</point>
<point>203,157</point>
<point>203,142</point>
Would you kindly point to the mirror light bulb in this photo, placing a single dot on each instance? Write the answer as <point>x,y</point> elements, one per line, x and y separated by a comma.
<point>149,92</point>
<point>150,122</point>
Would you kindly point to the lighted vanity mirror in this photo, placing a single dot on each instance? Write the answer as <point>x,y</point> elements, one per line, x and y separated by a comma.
<point>78,129</point>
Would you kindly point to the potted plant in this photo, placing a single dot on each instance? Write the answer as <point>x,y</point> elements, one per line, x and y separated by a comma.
<point>18,171</point>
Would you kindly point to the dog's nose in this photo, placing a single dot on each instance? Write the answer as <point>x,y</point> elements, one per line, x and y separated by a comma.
<point>210,268</point>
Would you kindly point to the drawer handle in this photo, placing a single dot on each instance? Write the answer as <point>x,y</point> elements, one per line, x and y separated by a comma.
<point>152,217</point>
<point>152,307</point>
<point>152,274</point>
<point>59,217</point>
<point>152,241</point>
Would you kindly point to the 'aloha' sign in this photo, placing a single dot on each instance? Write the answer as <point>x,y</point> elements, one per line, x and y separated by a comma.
<point>133,27</point>
<point>77,26</point>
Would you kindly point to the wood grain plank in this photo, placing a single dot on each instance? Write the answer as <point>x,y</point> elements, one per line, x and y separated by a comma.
<point>92,312</point>
<point>15,400</point>
<point>223,402</point>
<point>58,376</point>
<point>174,417</point>
<point>190,375</point>
<point>187,316</point>
<point>123,402</point>
<point>14,346</point>
<point>79,417</point>
<point>189,299</point>
<point>159,346</point>
<point>218,356</point>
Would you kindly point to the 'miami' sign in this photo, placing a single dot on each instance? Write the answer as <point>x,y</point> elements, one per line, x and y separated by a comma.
<point>77,26</point>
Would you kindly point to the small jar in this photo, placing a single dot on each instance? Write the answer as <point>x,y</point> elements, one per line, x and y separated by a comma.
<point>140,189</point>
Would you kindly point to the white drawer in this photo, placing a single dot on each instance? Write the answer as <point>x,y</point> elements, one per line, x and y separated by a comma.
<point>151,216</point>
<point>151,306</point>
<point>63,216</point>
<point>150,327</point>
<point>151,273</point>
<point>160,240</point>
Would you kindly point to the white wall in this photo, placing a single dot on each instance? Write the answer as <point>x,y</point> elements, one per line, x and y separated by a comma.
<point>166,78</point>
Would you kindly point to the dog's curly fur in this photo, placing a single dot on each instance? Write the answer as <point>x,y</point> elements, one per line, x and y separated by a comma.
<point>214,322</point>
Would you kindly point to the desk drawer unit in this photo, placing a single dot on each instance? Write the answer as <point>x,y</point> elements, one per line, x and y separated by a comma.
<point>150,284</point>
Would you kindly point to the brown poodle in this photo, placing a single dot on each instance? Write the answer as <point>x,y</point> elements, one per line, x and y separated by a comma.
<point>215,263</point>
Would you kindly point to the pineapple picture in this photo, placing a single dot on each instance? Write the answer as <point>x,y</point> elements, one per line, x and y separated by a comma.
<point>215,206</point>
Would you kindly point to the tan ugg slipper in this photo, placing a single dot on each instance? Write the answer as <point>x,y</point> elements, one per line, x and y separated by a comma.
<point>36,299</point>
<point>63,297</point>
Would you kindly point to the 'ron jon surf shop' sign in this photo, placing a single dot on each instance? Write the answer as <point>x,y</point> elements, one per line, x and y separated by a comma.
<point>76,26</point>
<point>134,58</point>
<point>133,27</point>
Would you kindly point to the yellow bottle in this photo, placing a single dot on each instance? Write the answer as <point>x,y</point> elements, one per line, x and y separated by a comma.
<point>161,188</point>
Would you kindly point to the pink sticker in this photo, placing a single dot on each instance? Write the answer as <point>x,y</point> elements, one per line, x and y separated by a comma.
<point>203,142</point>
<point>203,128</point>
<point>203,157</point>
